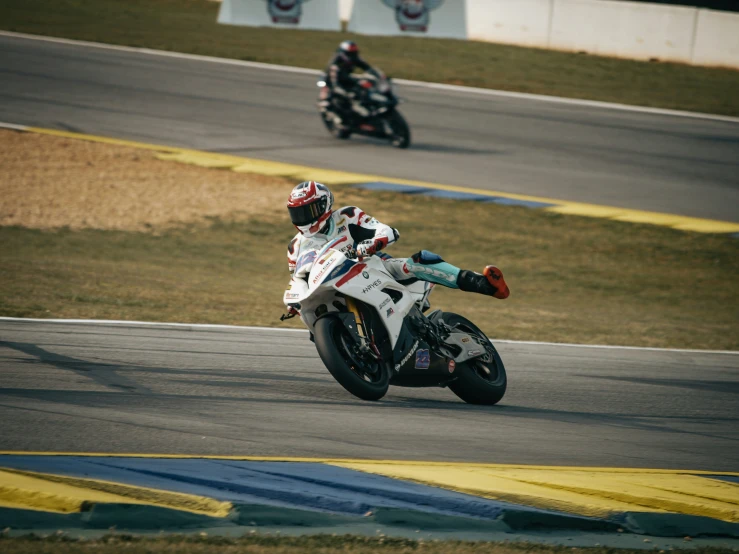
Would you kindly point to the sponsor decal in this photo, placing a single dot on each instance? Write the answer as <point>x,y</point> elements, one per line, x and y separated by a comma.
<point>384,303</point>
<point>290,295</point>
<point>319,275</point>
<point>413,15</point>
<point>365,275</point>
<point>405,269</point>
<point>339,270</point>
<point>452,366</point>
<point>407,356</point>
<point>390,312</point>
<point>351,274</point>
<point>307,258</point>
<point>285,11</point>
<point>325,268</point>
<point>423,359</point>
<point>341,229</point>
<point>465,339</point>
<point>372,285</point>
<point>474,352</point>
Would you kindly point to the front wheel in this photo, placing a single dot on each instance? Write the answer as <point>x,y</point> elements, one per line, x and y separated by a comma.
<point>401,133</point>
<point>481,380</point>
<point>357,372</point>
<point>328,121</point>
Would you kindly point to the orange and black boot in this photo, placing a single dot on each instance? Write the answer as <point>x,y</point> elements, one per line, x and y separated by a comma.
<point>490,282</point>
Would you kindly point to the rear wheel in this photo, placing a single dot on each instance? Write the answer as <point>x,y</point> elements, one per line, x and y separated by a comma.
<point>481,380</point>
<point>401,133</point>
<point>356,371</point>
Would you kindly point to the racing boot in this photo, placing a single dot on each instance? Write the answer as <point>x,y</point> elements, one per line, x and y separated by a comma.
<point>491,282</point>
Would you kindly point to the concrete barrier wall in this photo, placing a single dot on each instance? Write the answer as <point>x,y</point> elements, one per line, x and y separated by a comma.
<point>611,28</point>
<point>717,39</point>
<point>626,29</point>
<point>423,18</point>
<point>290,14</point>
<point>522,22</point>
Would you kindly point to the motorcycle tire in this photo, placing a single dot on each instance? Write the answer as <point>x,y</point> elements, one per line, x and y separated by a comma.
<point>401,137</point>
<point>478,382</point>
<point>333,343</point>
<point>342,134</point>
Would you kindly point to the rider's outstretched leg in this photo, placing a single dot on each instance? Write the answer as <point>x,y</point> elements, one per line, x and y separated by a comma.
<point>428,266</point>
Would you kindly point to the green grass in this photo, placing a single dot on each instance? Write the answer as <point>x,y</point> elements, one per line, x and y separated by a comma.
<point>190,26</point>
<point>572,279</point>
<point>296,545</point>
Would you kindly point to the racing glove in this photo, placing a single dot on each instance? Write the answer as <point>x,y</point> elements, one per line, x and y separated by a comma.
<point>371,246</point>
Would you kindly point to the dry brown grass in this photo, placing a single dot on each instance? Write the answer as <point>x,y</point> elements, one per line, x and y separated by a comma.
<point>48,181</point>
<point>573,279</point>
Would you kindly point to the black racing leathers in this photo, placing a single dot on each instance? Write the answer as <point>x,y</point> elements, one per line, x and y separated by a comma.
<point>339,72</point>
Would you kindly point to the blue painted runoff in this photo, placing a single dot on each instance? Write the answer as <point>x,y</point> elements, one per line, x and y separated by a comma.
<point>310,486</point>
<point>451,194</point>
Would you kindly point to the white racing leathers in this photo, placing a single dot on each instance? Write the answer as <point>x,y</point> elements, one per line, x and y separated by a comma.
<point>355,227</point>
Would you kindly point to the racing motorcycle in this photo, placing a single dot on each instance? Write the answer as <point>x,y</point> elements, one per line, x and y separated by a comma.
<point>373,115</point>
<point>372,331</point>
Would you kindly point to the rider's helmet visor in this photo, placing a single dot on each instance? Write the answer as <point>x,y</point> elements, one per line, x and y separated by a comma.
<point>308,213</point>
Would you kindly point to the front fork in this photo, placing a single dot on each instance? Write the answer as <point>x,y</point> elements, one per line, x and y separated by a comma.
<point>365,333</point>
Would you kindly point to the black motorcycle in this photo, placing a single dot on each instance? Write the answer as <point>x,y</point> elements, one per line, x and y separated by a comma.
<point>373,112</point>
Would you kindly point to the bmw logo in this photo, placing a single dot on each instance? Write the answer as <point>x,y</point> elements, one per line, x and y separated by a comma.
<point>365,275</point>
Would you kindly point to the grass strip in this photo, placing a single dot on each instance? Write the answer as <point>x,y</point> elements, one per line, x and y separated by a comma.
<point>190,26</point>
<point>325,544</point>
<point>573,279</point>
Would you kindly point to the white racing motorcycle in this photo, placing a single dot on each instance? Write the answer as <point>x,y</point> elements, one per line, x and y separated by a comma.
<point>371,332</point>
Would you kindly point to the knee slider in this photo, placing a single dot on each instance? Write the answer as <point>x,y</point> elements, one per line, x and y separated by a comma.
<point>424,257</point>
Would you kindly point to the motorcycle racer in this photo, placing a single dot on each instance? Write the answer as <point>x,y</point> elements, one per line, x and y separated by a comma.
<point>310,206</point>
<point>339,79</point>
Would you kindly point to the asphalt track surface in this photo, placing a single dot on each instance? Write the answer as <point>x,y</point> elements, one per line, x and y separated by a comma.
<point>670,164</point>
<point>132,389</point>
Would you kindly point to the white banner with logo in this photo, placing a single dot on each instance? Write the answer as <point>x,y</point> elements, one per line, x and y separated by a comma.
<point>288,14</point>
<point>420,18</point>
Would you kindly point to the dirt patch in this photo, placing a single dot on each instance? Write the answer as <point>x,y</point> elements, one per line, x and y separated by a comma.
<point>48,181</point>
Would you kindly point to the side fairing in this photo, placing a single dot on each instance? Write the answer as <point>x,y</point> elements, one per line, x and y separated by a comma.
<point>369,283</point>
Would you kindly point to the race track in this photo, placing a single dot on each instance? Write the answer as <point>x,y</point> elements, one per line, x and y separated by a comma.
<point>210,391</point>
<point>684,166</point>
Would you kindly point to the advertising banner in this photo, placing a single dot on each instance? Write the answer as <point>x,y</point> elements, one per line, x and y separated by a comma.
<point>420,18</point>
<point>290,14</point>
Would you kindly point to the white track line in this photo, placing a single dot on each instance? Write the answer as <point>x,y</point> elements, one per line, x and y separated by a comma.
<point>206,326</point>
<point>13,126</point>
<point>423,84</point>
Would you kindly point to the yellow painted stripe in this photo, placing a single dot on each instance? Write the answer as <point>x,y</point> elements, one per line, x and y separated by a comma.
<point>593,493</point>
<point>94,138</point>
<point>334,177</point>
<point>57,493</point>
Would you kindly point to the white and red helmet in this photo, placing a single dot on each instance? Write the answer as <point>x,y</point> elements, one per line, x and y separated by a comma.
<point>310,205</point>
